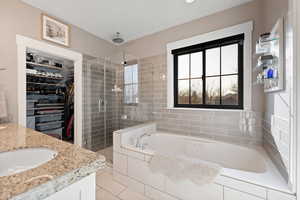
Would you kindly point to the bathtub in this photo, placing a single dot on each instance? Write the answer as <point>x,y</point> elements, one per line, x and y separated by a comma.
<point>247,174</point>
<point>225,154</point>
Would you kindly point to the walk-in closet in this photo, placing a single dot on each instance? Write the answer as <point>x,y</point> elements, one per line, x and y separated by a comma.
<point>50,94</point>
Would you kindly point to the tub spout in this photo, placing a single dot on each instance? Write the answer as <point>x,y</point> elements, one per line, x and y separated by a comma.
<point>140,138</point>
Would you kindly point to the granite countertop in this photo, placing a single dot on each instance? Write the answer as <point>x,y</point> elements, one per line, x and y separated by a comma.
<point>71,164</point>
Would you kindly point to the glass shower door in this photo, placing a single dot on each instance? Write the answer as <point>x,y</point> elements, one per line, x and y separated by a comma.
<point>99,120</point>
<point>94,105</point>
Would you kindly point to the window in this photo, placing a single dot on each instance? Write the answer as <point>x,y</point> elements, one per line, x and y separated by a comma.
<point>210,75</point>
<point>131,84</point>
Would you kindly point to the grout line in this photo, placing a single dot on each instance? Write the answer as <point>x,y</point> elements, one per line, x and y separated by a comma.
<point>111,192</point>
<point>126,188</point>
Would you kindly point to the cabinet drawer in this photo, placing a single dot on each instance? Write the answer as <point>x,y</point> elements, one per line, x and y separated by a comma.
<point>230,194</point>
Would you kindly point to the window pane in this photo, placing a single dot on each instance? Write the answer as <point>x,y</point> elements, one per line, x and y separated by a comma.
<point>183,66</point>
<point>196,65</point>
<point>127,75</point>
<point>230,90</point>
<point>213,90</point>
<point>230,59</point>
<point>135,93</point>
<point>134,73</point>
<point>183,92</point>
<point>196,91</point>
<point>213,62</point>
<point>128,94</point>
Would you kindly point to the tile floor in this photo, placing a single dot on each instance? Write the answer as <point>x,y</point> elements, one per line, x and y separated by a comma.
<point>109,189</point>
<point>108,153</point>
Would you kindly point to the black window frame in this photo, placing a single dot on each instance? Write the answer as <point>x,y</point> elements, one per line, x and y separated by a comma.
<point>237,39</point>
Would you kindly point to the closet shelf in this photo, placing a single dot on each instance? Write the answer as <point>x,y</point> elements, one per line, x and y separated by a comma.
<point>48,77</point>
<point>49,123</point>
<point>44,65</point>
<point>49,104</point>
<point>49,115</point>
<point>49,108</point>
<point>46,84</point>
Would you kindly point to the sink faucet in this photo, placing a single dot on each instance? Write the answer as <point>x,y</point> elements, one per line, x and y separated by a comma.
<point>139,140</point>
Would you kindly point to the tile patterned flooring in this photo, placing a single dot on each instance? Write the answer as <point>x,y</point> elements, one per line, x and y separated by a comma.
<point>109,189</point>
<point>107,153</point>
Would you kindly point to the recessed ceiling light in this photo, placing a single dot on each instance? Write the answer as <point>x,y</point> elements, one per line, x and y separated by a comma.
<point>189,1</point>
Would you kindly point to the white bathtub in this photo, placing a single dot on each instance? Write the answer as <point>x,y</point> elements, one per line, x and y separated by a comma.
<point>227,155</point>
<point>248,173</point>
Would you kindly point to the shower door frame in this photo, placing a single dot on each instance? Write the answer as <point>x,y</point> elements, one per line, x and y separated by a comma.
<point>23,43</point>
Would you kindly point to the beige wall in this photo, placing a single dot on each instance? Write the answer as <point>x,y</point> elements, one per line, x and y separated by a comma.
<point>155,44</point>
<point>151,53</point>
<point>273,9</point>
<point>19,18</point>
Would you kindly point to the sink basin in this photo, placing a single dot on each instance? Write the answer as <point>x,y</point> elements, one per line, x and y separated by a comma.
<point>12,162</point>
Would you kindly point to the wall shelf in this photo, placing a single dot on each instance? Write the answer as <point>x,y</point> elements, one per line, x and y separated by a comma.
<point>47,77</point>
<point>44,65</point>
<point>46,84</point>
<point>270,64</point>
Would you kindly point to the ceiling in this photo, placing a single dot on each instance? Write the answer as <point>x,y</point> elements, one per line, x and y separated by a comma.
<point>132,18</point>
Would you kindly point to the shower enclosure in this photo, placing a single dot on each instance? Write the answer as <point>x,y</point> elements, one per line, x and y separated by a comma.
<point>104,108</point>
<point>99,104</point>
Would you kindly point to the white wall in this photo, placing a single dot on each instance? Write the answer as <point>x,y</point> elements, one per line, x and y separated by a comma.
<point>279,105</point>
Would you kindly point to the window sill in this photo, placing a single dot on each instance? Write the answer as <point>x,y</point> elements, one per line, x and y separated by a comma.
<point>207,109</point>
<point>131,104</point>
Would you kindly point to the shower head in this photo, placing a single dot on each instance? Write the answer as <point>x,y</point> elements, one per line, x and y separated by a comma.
<point>117,39</point>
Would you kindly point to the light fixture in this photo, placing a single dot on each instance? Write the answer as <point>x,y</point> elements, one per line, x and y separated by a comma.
<point>117,38</point>
<point>189,1</point>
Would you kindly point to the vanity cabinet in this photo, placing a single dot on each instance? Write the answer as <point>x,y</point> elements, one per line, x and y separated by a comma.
<point>85,189</point>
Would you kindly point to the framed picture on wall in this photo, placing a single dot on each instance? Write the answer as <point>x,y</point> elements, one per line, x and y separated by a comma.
<point>55,31</point>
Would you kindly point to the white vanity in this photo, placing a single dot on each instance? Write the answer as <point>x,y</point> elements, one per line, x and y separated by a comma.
<point>35,166</point>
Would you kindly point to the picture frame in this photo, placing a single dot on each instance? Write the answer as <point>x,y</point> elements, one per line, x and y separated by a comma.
<point>55,31</point>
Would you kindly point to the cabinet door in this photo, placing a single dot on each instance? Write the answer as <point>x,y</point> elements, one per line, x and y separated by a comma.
<point>84,189</point>
<point>230,194</point>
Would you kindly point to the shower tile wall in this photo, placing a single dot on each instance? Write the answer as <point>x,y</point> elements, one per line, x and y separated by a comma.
<point>237,127</point>
<point>112,118</point>
<point>133,115</point>
<point>98,126</point>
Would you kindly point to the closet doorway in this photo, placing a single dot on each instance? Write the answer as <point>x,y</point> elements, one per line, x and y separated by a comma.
<point>50,89</point>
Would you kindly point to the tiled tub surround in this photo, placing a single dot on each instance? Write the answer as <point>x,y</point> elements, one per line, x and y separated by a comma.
<point>277,143</point>
<point>234,126</point>
<point>131,168</point>
<point>72,164</point>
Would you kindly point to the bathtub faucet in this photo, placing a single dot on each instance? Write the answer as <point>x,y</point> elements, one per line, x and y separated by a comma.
<point>139,140</point>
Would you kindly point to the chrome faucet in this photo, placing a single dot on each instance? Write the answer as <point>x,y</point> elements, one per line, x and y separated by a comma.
<point>139,140</point>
